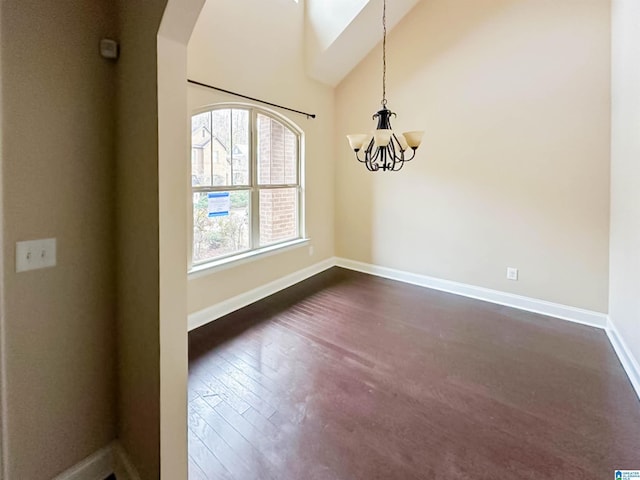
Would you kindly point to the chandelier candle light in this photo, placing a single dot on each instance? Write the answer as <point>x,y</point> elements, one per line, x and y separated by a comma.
<point>384,149</point>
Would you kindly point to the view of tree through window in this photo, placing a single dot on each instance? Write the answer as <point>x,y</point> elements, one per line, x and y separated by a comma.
<point>246,186</point>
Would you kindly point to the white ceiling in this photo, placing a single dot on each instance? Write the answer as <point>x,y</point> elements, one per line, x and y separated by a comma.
<point>340,33</point>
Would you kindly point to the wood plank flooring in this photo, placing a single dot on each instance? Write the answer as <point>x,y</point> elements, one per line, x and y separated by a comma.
<point>349,376</point>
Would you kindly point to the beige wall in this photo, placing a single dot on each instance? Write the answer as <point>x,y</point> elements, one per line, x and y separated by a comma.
<point>256,48</point>
<point>138,235</point>
<point>2,290</point>
<point>624,299</point>
<point>514,169</point>
<point>514,95</point>
<point>57,162</point>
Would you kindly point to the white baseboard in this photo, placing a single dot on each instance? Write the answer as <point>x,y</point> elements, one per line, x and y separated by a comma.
<point>202,317</point>
<point>629,363</point>
<point>564,312</point>
<point>101,464</point>
<point>543,307</point>
<point>113,458</point>
<point>97,466</point>
<point>122,466</point>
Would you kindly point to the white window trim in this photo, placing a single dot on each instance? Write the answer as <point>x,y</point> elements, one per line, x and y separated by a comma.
<point>246,256</point>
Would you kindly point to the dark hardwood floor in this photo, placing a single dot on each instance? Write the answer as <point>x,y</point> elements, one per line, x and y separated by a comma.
<point>348,376</point>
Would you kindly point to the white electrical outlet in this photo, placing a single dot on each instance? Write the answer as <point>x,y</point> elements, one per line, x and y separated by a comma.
<point>310,250</point>
<point>512,273</point>
<point>34,254</point>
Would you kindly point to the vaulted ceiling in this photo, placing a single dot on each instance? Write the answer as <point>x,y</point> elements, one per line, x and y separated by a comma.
<point>340,33</point>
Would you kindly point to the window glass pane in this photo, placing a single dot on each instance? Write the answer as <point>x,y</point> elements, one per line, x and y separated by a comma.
<point>278,215</point>
<point>223,156</point>
<point>221,147</point>
<point>220,224</point>
<point>277,152</point>
<point>240,147</point>
<point>201,149</point>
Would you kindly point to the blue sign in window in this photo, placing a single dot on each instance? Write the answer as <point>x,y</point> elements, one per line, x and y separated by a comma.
<point>218,204</point>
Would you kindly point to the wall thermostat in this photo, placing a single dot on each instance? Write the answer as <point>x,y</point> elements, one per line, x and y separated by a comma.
<point>109,48</point>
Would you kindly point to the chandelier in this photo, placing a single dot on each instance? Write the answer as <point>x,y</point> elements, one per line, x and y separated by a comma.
<point>383,148</point>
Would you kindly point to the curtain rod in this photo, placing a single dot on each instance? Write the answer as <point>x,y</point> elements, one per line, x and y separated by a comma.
<point>308,115</point>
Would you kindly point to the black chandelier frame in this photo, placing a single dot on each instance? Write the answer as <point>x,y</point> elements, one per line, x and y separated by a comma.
<point>384,149</point>
<point>389,158</point>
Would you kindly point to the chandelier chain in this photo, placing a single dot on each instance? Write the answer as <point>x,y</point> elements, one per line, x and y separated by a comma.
<point>383,149</point>
<point>384,53</point>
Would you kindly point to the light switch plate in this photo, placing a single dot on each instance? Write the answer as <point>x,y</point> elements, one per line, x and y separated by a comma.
<point>35,254</point>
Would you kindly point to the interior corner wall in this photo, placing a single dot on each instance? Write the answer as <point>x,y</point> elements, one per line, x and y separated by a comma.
<point>176,28</point>
<point>256,48</point>
<point>514,96</point>
<point>57,181</point>
<point>624,300</point>
<point>3,347</point>
<point>138,235</point>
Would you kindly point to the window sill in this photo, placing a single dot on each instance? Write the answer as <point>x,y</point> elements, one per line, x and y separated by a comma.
<point>246,257</point>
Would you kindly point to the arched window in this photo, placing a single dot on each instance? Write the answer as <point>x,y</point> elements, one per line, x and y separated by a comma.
<point>245,181</point>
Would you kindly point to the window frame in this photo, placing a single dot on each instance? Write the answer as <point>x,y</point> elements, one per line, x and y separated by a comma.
<point>253,187</point>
